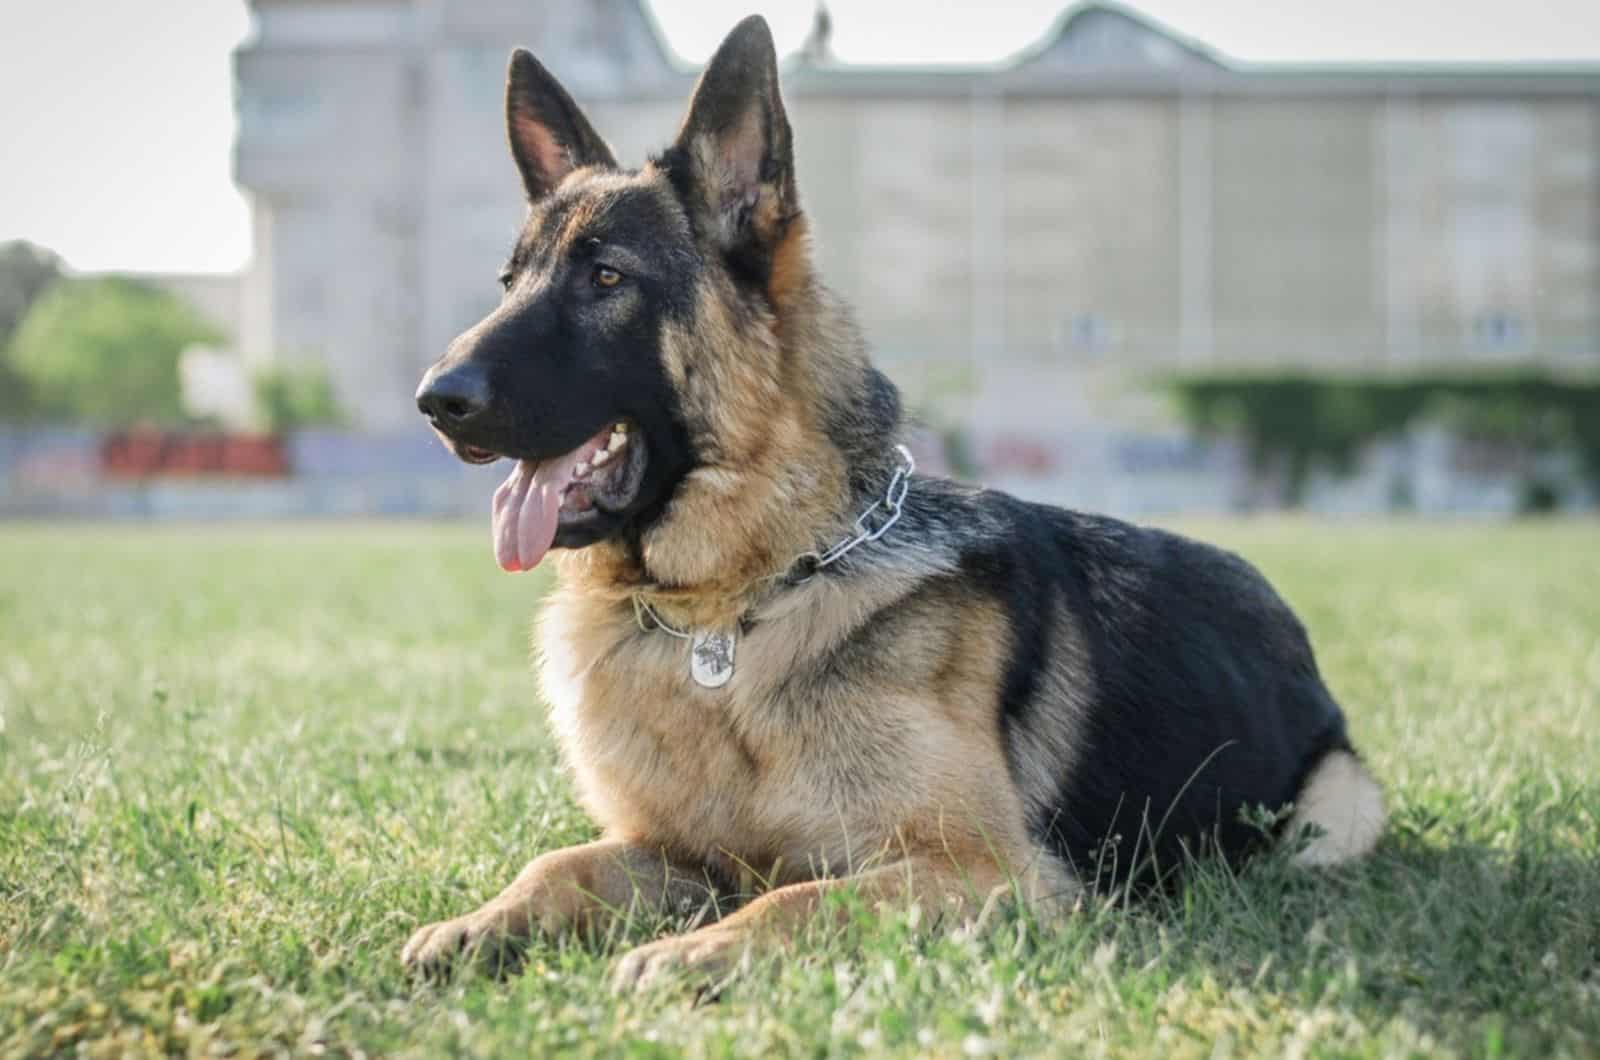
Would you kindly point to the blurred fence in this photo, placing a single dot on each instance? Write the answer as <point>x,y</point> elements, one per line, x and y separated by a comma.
<point>64,473</point>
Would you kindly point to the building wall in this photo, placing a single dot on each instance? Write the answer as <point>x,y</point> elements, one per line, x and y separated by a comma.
<point>1503,228</point>
<point>1114,202</point>
<point>1356,231</point>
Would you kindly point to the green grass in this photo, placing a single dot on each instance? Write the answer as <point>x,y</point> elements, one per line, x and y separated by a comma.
<point>239,766</point>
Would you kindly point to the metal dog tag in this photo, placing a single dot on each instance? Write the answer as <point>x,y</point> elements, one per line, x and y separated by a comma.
<point>711,658</point>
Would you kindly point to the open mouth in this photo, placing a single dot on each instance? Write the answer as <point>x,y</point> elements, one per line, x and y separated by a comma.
<point>540,497</point>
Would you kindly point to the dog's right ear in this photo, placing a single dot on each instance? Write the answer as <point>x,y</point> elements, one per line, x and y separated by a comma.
<point>549,135</point>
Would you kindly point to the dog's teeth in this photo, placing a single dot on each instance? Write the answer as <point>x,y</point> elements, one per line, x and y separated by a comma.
<point>581,470</point>
<point>601,457</point>
<point>617,441</point>
<point>620,428</point>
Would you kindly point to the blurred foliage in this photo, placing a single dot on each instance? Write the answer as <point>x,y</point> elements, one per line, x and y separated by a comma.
<point>291,398</point>
<point>1299,422</point>
<point>104,351</point>
<point>26,271</point>
<point>959,454</point>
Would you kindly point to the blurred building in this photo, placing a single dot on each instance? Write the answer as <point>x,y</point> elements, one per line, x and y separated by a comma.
<point>1116,197</point>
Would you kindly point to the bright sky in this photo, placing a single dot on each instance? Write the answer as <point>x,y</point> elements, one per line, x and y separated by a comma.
<point>117,121</point>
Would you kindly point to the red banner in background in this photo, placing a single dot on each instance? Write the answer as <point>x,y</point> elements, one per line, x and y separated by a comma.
<point>149,453</point>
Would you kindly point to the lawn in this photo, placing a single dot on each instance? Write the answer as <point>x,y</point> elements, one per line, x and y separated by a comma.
<point>239,765</point>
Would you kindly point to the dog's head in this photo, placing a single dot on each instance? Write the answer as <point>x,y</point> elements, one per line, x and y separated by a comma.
<point>586,374</point>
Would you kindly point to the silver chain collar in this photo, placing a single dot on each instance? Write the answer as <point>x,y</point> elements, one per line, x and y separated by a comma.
<point>870,525</point>
<point>891,504</point>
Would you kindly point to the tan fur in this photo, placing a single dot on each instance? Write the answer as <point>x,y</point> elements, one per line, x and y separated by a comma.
<point>902,766</point>
<point>753,776</point>
<point>1042,742</point>
<point>580,889</point>
<point>954,886</point>
<point>791,270</point>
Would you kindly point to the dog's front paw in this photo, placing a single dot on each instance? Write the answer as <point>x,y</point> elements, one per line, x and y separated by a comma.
<point>485,937</point>
<point>703,955</point>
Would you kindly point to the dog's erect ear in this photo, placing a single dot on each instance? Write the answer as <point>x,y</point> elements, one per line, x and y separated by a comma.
<point>736,145</point>
<point>550,137</point>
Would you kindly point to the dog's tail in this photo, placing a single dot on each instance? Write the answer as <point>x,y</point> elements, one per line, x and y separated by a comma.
<point>1342,805</point>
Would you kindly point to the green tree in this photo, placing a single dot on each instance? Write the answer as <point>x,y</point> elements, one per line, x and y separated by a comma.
<point>291,398</point>
<point>25,272</point>
<point>104,351</point>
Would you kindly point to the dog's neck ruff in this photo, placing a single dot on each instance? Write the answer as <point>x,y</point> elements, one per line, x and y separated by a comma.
<point>711,651</point>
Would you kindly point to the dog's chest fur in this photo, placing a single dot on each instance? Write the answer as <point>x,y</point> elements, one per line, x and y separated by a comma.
<point>833,738</point>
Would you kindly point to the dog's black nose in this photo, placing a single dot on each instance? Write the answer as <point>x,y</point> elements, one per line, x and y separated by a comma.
<point>455,397</point>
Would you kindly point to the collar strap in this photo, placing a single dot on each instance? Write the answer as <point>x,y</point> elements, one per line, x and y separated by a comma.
<point>878,519</point>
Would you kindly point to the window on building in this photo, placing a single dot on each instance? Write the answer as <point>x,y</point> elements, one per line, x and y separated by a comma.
<point>1085,333</point>
<point>279,115</point>
<point>1499,329</point>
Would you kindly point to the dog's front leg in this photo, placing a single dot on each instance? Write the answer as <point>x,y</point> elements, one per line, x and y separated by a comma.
<point>581,889</point>
<point>942,885</point>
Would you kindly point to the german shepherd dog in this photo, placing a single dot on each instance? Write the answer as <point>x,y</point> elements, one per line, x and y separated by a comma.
<point>774,653</point>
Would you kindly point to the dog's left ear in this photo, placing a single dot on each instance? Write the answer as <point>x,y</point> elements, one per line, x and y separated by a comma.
<point>734,155</point>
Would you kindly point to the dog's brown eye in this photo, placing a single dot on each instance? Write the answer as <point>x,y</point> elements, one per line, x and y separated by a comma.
<point>605,276</point>
<point>505,279</point>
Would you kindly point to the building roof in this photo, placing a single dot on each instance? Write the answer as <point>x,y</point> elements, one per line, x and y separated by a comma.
<point>1103,48</point>
<point>1094,48</point>
<point>1094,35</point>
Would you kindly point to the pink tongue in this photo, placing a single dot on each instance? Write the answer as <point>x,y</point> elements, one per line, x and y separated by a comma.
<point>526,507</point>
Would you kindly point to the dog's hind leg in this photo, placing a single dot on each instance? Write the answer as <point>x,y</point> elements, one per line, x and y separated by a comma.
<point>1341,804</point>
<point>951,888</point>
